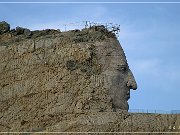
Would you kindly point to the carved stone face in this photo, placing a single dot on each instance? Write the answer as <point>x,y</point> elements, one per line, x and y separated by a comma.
<point>118,77</point>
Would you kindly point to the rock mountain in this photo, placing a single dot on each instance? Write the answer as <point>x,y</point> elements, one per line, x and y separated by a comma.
<point>53,81</point>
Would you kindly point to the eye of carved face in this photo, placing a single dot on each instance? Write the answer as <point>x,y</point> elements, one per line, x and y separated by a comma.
<point>122,68</point>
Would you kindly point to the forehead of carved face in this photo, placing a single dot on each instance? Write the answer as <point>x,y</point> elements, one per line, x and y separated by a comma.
<point>118,77</point>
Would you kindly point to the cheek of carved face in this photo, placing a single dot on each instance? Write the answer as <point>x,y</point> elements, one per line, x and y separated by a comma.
<point>116,82</point>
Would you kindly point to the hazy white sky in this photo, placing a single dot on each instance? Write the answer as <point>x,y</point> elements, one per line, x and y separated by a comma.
<point>150,35</point>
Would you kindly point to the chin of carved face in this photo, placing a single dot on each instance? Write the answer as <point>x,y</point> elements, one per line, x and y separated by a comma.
<point>120,104</point>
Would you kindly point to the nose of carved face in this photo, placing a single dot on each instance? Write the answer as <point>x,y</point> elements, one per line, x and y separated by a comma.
<point>131,81</point>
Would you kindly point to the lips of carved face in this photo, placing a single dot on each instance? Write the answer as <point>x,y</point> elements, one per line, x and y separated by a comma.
<point>128,95</point>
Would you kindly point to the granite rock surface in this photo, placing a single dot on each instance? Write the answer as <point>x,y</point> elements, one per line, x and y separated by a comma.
<point>52,81</point>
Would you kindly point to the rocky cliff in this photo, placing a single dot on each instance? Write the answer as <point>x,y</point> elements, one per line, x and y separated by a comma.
<point>51,81</point>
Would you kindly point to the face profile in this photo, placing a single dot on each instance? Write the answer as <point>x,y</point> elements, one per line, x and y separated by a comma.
<point>118,77</point>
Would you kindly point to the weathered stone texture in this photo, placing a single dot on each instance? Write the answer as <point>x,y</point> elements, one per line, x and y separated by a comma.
<point>52,81</point>
<point>4,27</point>
<point>37,85</point>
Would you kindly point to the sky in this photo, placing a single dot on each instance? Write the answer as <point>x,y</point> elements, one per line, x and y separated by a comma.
<point>149,35</point>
